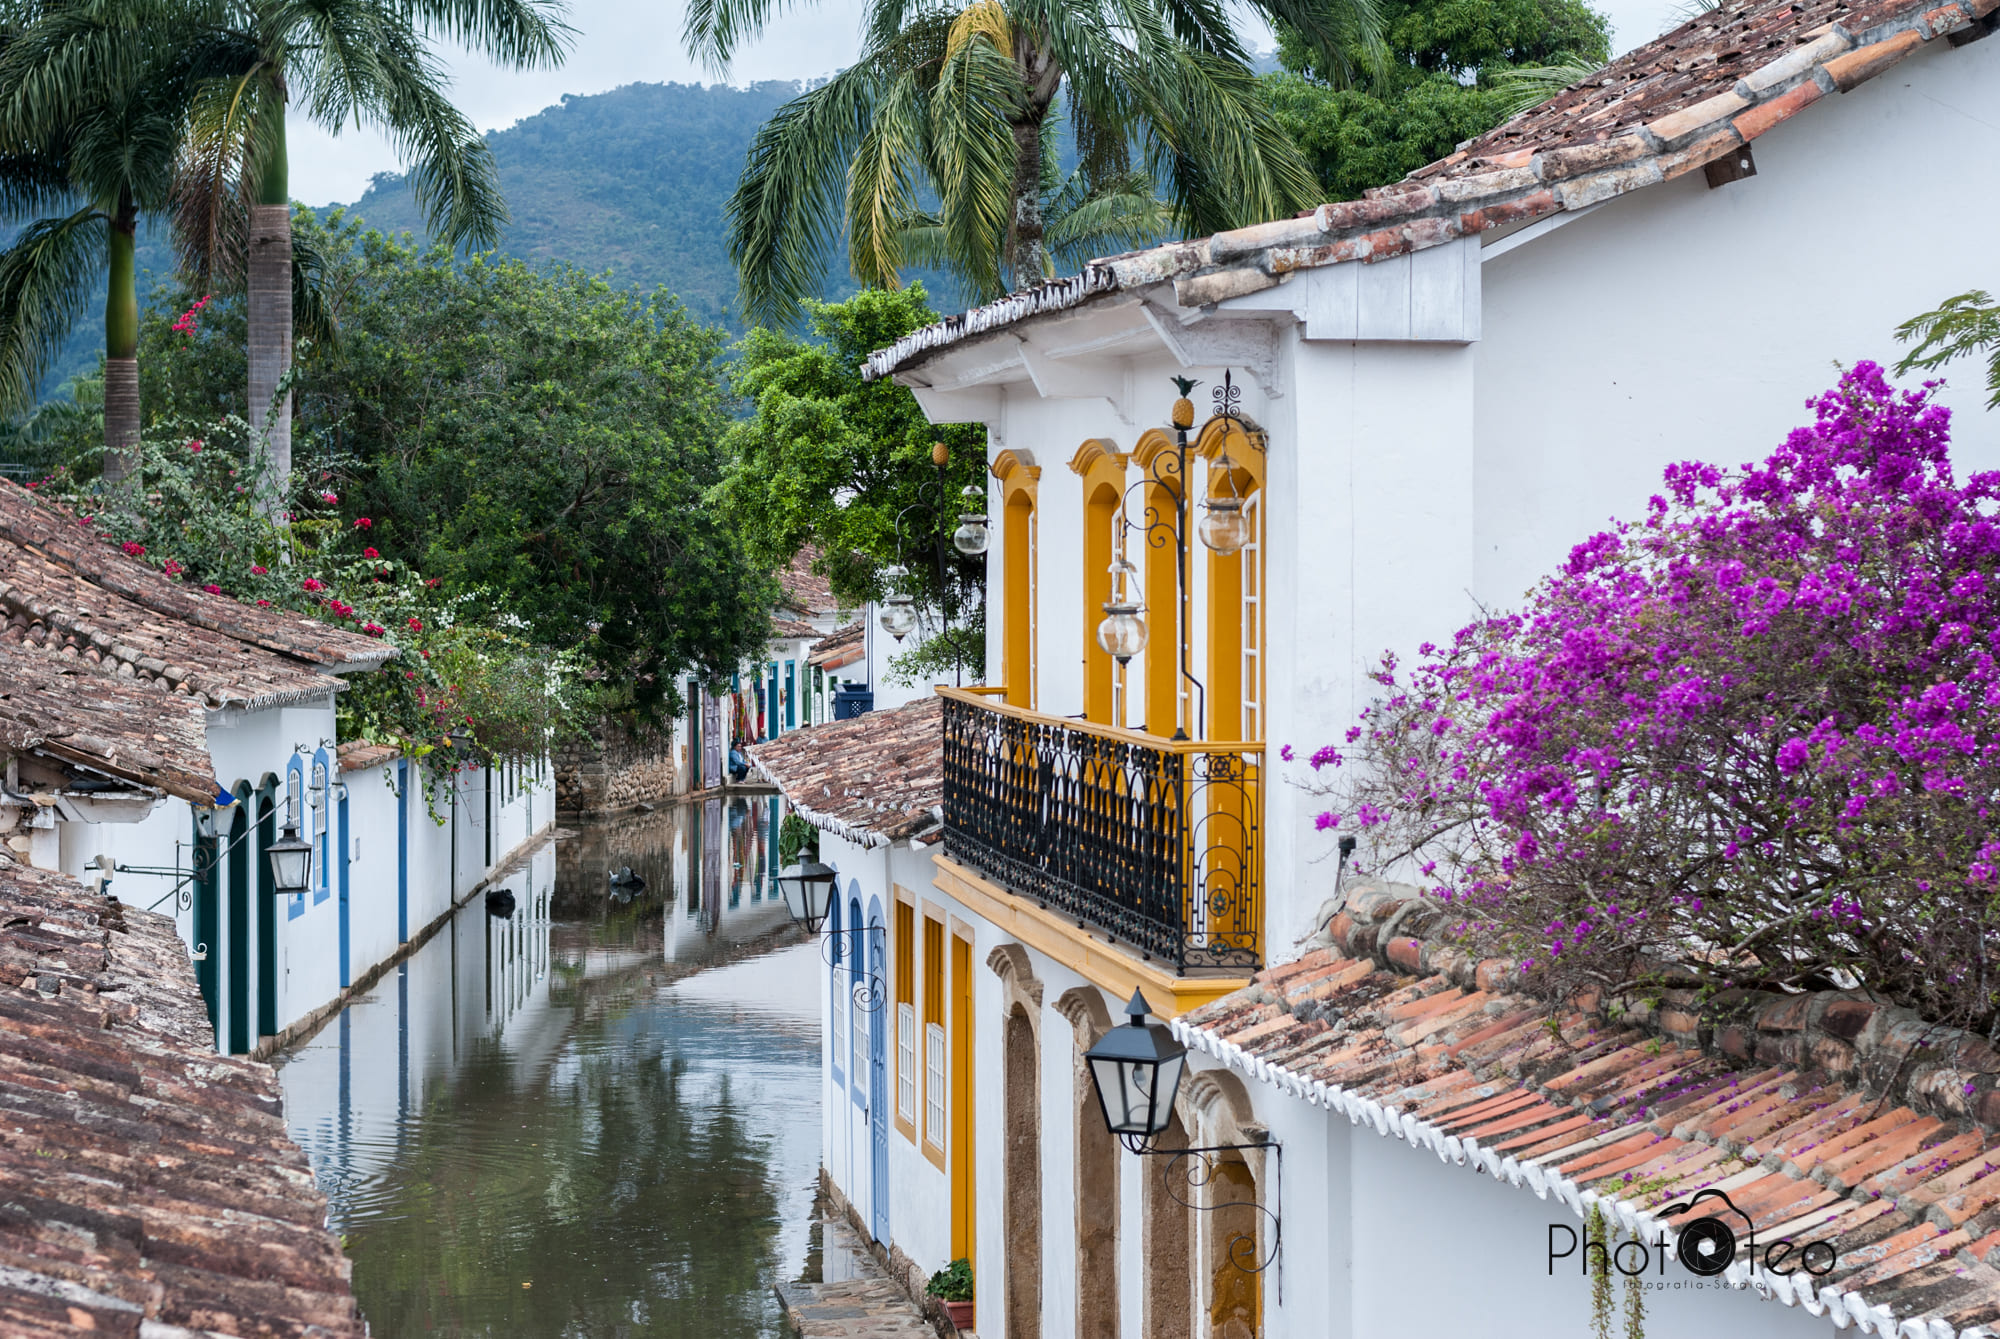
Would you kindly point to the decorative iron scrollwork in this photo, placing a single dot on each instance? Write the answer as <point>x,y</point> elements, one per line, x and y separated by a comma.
<point>1157,846</point>
<point>867,986</point>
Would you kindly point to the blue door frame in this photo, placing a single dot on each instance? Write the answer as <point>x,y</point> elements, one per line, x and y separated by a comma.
<point>878,1083</point>
<point>346,849</point>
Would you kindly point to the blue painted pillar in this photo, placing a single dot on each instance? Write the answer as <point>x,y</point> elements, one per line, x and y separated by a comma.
<point>403,851</point>
<point>345,850</point>
<point>791,693</point>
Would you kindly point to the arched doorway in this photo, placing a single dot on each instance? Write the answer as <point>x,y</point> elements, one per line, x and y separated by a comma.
<point>1097,1169</point>
<point>1022,1065</point>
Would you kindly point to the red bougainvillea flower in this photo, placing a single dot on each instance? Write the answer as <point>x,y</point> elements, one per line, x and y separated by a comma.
<point>433,581</point>
<point>263,604</point>
<point>314,583</point>
<point>416,625</point>
<point>373,629</point>
<point>195,447</point>
<point>363,523</point>
<point>172,568</point>
<point>258,571</point>
<point>213,589</point>
<point>83,520</point>
<point>329,498</point>
<point>370,553</point>
<point>133,549</point>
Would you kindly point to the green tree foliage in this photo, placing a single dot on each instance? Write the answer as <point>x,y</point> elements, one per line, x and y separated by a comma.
<point>1446,82</point>
<point>529,433</point>
<point>826,459</point>
<point>1965,325</point>
<point>941,122</point>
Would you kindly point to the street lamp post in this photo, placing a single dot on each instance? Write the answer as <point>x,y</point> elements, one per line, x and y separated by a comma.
<point>1223,528</point>
<point>1136,1070</point>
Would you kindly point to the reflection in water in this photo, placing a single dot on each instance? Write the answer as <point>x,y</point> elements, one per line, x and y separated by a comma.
<point>603,1124</point>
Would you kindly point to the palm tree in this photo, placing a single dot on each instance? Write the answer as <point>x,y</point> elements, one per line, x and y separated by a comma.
<point>94,107</point>
<point>952,102</point>
<point>361,62</point>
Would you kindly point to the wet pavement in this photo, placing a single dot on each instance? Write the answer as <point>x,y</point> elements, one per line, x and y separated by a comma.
<point>599,1117</point>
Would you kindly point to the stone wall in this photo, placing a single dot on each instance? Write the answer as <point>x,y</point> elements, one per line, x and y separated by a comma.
<point>615,767</point>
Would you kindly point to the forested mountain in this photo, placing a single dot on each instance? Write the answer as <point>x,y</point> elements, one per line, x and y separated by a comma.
<point>631,182</point>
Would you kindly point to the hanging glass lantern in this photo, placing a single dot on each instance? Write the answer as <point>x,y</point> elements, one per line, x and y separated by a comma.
<point>1122,634</point>
<point>1224,527</point>
<point>899,612</point>
<point>291,862</point>
<point>970,538</point>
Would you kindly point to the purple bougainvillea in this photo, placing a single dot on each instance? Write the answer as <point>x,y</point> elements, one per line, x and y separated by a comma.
<point>1752,739</point>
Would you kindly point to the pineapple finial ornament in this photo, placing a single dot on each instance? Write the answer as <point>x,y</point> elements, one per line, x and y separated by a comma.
<point>1184,407</point>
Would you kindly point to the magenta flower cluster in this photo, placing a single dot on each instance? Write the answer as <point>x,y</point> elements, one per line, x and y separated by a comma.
<point>1750,740</point>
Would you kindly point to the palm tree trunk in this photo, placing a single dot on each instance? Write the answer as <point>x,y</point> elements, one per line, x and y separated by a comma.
<point>270,315</point>
<point>121,346</point>
<point>1028,261</point>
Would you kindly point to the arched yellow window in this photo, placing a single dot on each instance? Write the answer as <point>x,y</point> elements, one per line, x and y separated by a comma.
<point>1158,458</point>
<point>1235,595</point>
<point>1019,478</point>
<point>1101,467</point>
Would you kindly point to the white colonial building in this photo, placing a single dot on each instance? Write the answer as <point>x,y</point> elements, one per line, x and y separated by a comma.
<point>1427,397</point>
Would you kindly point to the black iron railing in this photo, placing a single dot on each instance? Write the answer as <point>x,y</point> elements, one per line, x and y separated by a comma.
<point>1154,841</point>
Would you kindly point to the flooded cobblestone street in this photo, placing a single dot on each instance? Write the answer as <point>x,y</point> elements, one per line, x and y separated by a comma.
<point>598,1116</point>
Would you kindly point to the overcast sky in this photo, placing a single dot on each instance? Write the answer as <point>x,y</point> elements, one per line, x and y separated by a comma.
<point>633,41</point>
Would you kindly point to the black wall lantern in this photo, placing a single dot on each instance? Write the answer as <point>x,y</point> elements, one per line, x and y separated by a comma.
<point>1137,1071</point>
<point>291,862</point>
<point>807,888</point>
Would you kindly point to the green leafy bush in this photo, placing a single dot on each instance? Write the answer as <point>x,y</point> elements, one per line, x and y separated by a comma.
<point>953,1283</point>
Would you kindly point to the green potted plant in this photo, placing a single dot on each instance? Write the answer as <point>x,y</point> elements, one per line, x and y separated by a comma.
<point>952,1285</point>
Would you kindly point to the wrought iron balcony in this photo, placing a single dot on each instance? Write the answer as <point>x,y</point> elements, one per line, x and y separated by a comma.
<point>1156,842</point>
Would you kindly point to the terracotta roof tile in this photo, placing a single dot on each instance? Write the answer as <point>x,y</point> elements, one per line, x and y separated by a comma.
<point>803,590</point>
<point>840,648</point>
<point>357,754</point>
<point>1908,1197</point>
<point>46,607</point>
<point>875,779</point>
<point>148,1180</point>
<point>1658,112</point>
<point>54,535</point>
<point>117,726</point>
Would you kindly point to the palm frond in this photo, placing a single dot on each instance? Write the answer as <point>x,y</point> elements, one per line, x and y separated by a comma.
<point>1218,149</point>
<point>973,155</point>
<point>315,313</point>
<point>1528,86</point>
<point>1121,214</point>
<point>519,34</point>
<point>784,217</point>
<point>45,280</point>
<point>882,183</point>
<point>1966,324</point>
<point>230,131</point>
<point>1334,29</point>
<point>712,29</point>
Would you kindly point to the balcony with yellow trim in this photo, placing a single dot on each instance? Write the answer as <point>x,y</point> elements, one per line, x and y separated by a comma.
<point>1153,843</point>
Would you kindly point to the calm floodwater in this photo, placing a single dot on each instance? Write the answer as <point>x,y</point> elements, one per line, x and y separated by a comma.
<point>598,1118</point>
